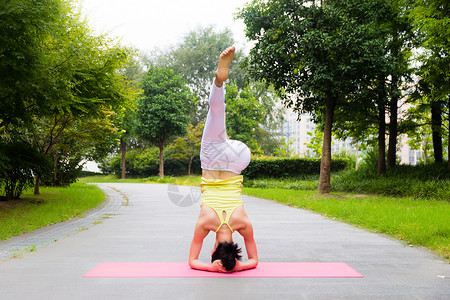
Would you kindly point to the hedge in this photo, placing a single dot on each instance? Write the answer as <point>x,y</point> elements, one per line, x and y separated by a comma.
<point>275,167</point>
<point>145,163</point>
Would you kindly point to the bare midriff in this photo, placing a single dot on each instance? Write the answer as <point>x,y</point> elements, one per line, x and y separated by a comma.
<point>214,174</point>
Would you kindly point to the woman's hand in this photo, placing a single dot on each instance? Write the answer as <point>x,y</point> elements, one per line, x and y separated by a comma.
<point>217,266</point>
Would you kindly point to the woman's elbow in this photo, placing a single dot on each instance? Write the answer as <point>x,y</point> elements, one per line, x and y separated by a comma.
<point>256,261</point>
<point>191,263</point>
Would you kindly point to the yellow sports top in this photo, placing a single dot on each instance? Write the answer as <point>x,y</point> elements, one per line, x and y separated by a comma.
<point>222,195</point>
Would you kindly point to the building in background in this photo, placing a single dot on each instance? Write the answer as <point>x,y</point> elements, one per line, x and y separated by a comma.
<point>300,133</point>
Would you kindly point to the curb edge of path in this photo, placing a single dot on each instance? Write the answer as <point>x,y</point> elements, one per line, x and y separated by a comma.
<point>20,245</point>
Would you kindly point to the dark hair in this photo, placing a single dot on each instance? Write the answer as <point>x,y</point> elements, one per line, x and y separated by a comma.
<point>227,253</point>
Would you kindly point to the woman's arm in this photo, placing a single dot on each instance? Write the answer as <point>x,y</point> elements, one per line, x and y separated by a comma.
<point>196,247</point>
<point>250,246</point>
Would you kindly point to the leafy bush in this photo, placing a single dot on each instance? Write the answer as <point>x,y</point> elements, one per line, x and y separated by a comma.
<point>431,181</point>
<point>87,173</point>
<point>276,167</point>
<point>65,170</point>
<point>19,163</point>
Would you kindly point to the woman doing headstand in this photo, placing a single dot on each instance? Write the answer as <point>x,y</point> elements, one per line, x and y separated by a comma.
<point>222,210</point>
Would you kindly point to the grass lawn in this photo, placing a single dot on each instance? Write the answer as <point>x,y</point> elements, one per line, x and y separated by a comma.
<point>54,205</point>
<point>419,222</point>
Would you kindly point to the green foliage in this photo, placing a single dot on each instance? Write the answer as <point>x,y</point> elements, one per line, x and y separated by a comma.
<point>195,59</point>
<point>163,107</point>
<point>52,206</point>
<point>432,181</point>
<point>187,147</point>
<point>421,222</point>
<point>309,50</point>
<point>284,167</point>
<point>268,133</point>
<point>315,144</point>
<point>24,28</point>
<point>244,113</point>
<point>432,22</point>
<point>58,83</point>
<point>321,54</point>
<point>283,148</point>
<point>19,163</point>
<point>145,163</point>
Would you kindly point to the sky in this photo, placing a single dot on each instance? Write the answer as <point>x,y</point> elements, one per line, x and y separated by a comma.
<point>150,24</point>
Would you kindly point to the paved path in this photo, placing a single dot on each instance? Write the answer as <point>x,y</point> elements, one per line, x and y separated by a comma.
<point>157,225</point>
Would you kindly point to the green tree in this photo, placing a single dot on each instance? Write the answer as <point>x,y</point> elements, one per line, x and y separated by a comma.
<point>56,76</point>
<point>316,142</point>
<point>321,54</point>
<point>81,81</point>
<point>195,59</point>
<point>188,146</point>
<point>244,114</point>
<point>19,163</point>
<point>25,26</point>
<point>163,109</point>
<point>125,119</point>
<point>431,19</point>
<point>284,149</point>
<point>399,41</point>
<point>90,138</point>
<point>268,133</point>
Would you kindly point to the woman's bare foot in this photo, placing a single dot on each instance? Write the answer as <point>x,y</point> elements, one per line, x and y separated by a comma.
<point>224,65</point>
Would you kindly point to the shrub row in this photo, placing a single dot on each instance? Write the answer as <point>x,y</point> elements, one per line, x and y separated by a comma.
<point>279,167</point>
<point>145,163</point>
<point>431,181</point>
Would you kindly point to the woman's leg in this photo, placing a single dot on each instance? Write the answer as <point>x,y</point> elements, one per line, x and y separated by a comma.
<point>215,121</point>
<point>214,130</point>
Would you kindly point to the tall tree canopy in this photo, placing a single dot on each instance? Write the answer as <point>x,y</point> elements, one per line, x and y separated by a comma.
<point>25,26</point>
<point>56,76</point>
<point>244,114</point>
<point>319,54</point>
<point>431,19</point>
<point>163,109</point>
<point>195,59</point>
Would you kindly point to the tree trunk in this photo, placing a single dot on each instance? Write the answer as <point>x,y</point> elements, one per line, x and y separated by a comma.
<point>381,169</point>
<point>123,150</point>
<point>36,186</point>
<point>393,124</point>
<point>190,164</point>
<point>161,160</point>
<point>436,127</point>
<point>55,169</point>
<point>425,153</point>
<point>325,163</point>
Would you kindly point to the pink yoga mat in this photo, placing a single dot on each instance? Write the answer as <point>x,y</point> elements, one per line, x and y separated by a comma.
<point>182,269</point>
